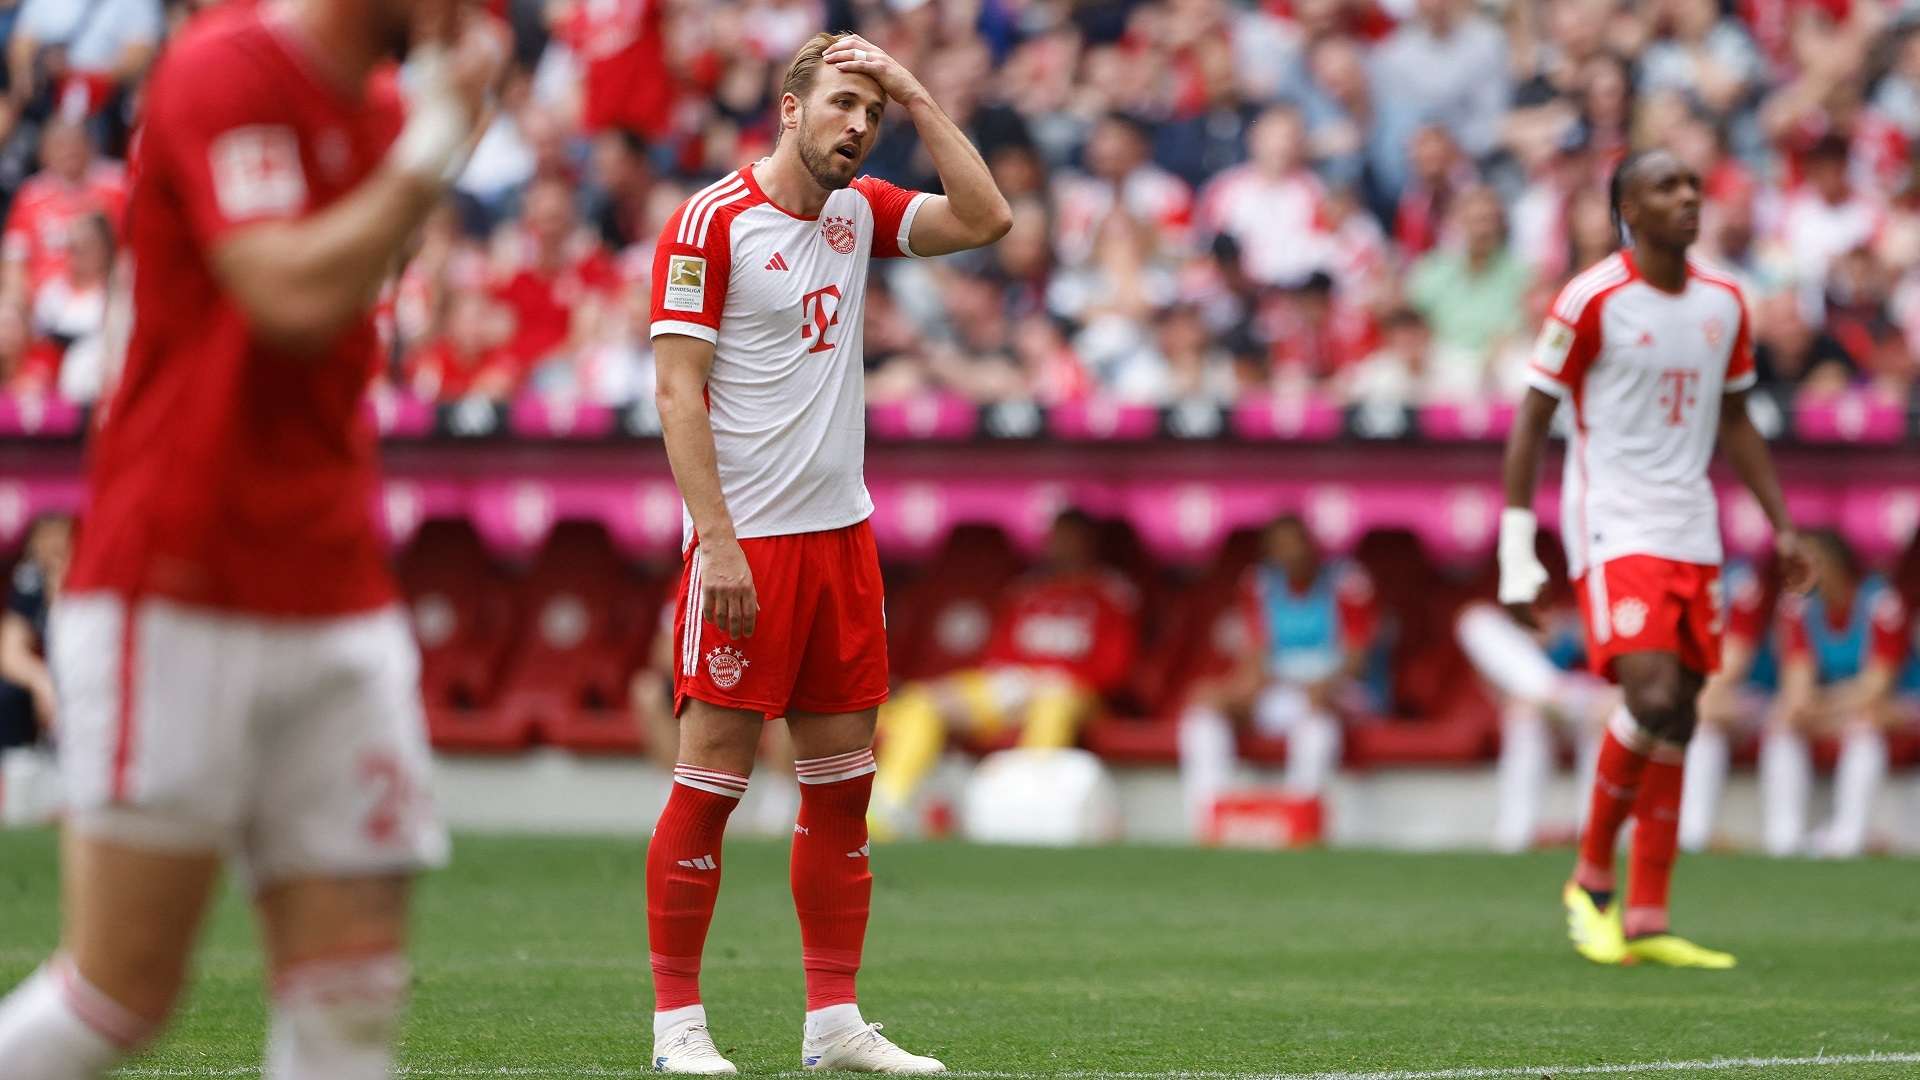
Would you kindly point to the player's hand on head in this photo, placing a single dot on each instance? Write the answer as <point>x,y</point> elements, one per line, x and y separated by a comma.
<point>727,598</point>
<point>862,57</point>
<point>1796,568</point>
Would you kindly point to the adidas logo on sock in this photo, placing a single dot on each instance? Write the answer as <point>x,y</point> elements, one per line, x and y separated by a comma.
<point>777,262</point>
<point>866,850</point>
<point>704,862</point>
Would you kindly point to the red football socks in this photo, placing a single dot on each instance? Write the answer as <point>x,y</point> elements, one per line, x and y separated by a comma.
<point>832,882</point>
<point>1656,832</point>
<point>1616,785</point>
<point>683,879</point>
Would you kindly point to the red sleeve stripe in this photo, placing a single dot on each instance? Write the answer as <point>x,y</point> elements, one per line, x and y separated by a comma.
<point>700,209</point>
<point>1581,291</point>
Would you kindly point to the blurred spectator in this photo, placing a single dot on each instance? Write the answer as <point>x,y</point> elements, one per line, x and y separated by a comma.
<point>556,278</point>
<point>1446,65</point>
<point>1789,352</point>
<point>1118,177</point>
<point>1393,374</point>
<point>623,182</point>
<point>1472,292</point>
<point>471,357</point>
<point>1438,173</point>
<point>1824,218</point>
<point>28,705</point>
<point>74,184</point>
<point>70,311</point>
<point>1271,206</point>
<point>72,59</point>
<point>1700,53</point>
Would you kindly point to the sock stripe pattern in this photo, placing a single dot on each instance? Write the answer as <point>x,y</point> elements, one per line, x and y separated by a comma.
<point>831,873</point>
<point>711,780</point>
<point>830,770</point>
<point>683,878</point>
<point>105,1016</point>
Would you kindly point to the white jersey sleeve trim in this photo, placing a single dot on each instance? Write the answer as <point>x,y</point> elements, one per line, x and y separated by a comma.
<point>663,327</point>
<point>1744,382</point>
<point>1537,379</point>
<point>906,225</point>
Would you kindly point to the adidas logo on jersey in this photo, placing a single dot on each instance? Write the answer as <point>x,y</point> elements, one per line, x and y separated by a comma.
<point>704,862</point>
<point>777,262</point>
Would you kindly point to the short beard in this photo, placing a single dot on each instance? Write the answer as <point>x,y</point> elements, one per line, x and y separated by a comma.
<point>820,164</point>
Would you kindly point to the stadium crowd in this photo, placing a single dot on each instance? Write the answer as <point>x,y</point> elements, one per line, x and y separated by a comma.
<point>1370,198</point>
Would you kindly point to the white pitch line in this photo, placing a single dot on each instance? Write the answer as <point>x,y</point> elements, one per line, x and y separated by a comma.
<point>1632,1068</point>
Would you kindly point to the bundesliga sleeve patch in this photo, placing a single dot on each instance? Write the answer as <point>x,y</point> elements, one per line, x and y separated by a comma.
<point>257,173</point>
<point>1550,352</point>
<point>686,288</point>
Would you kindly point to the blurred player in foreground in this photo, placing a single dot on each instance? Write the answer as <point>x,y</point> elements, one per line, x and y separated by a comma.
<point>1841,652</point>
<point>237,681</point>
<point>1542,683</point>
<point>1063,638</point>
<point>1310,623</point>
<point>759,294</point>
<point>1653,353</point>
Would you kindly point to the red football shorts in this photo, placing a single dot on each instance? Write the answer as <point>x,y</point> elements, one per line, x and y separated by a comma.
<point>820,644</point>
<point>1641,603</point>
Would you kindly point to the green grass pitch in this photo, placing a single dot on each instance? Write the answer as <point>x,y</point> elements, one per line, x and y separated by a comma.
<point>531,959</point>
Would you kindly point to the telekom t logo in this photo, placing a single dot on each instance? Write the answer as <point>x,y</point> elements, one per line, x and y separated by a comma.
<point>1680,391</point>
<point>818,316</point>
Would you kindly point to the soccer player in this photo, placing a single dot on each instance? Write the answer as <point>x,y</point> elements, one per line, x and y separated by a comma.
<point>1310,623</point>
<point>1841,651</point>
<point>1734,700</point>
<point>759,289</point>
<point>1652,353</point>
<point>1542,681</point>
<point>236,678</point>
<point>1062,639</point>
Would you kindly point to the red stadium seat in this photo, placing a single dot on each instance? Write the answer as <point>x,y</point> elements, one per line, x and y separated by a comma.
<point>462,609</point>
<point>940,622</point>
<point>567,678</point>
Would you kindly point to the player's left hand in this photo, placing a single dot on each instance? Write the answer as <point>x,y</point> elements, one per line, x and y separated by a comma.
<point>1796,568</point>
<point>862,57</point>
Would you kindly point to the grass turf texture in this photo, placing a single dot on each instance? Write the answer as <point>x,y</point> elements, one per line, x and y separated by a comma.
<point>531,957</point>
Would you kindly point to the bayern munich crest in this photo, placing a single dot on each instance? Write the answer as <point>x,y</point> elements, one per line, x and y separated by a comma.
<point>1629,617</point>
<point>725,666</point>
<point>838,233</point>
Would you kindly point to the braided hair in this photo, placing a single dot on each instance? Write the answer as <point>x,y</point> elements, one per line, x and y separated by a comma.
<point>1616,189</point>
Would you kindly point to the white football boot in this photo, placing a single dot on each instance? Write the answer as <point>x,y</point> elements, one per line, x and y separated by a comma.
<point>864,1049</point>
<point>688,1048</point>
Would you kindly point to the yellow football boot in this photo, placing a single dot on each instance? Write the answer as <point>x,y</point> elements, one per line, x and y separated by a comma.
<point>1673,951</point>
<point>1596,934</point>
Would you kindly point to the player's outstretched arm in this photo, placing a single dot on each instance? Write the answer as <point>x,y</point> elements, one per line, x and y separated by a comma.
<point>1747,452</point>
<point>1521,575</point>
<point>973,213</point>
<point>300,281</point>
<point>681,366</point>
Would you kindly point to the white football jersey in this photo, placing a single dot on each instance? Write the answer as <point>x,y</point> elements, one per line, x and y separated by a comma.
<point>783,300</point>
<point>1644,371</point>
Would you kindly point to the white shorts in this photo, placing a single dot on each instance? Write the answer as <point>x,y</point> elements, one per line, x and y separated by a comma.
<point>296,746</point>
<point>1281,707</point>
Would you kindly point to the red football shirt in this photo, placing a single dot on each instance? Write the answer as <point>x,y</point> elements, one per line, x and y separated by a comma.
<point>226,473</point>
<point>1085,625</point>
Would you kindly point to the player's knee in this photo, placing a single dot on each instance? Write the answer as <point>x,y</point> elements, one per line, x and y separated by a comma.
<point>1661,706</point>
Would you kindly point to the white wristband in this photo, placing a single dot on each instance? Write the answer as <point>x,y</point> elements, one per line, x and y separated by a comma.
<point>433,144</point>
<point>1521,575</point>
